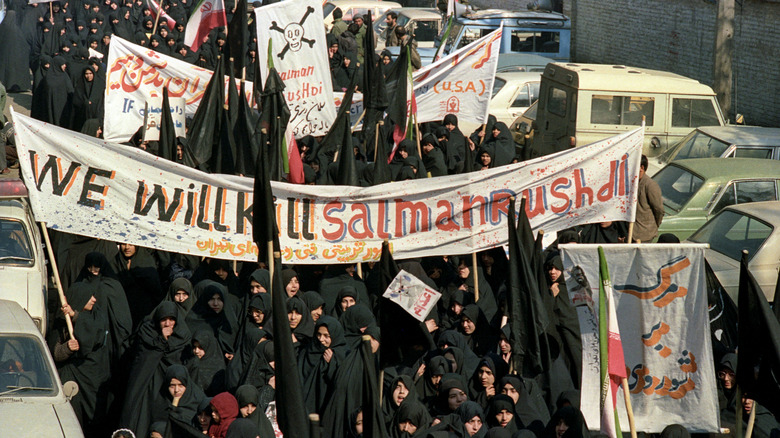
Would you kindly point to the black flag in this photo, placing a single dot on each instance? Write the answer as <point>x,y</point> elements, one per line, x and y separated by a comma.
<point>238,37</point>
<point>204,130</point>
<point>758,355</point>
<point>167,142</point>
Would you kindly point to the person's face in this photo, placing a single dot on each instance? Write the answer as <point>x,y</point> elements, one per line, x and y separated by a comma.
<point>163,32</point>
<point>456,308</point>
<point>215,415</point>
<point>155,43</point>
<point>427,148</point>
<point>561,428</point>
<point>176,388</point>
<point>216,304</point>
<point>167,323</point>
<point>323,335</point>
<point>468,326</point>
<point>257,315</point>
<point>510,390</point>
<point>390,21</point>
<point>359,423</point>
<point>727,377</point>
<point>505,346</point>
<point>473,425</point>
<point>89,75</point>
<point>408,427</point>
<point>204,420</point>
<point>496,132</point>
<point>504,417</point>
<point>486,376</point>
<point>404,154</point>
<point>94,270</point>
<point>347,302</point>
<point>455,398</point>
<point>386,60</point>
<point>485,159</point>
<point>128,249</point>
<point>316,313</point>
<point>198,350</point>
<point>347,61</point>
<point>221,273</point>
<point>292,287</point>
<point>436,380</point>
<point>399,393</point>
<point>358,20</point>
<point>93,45</point>
<point>247,410</point>
<point>463,271</point>
<point>181,296</point>
<point>255,287</point>
<point>294,318</point>
<point>641,172</point>
<point>554,273</point>
<point>179,149</point>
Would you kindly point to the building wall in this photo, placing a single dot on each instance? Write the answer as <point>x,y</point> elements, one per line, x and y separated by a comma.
<point>678,36</point>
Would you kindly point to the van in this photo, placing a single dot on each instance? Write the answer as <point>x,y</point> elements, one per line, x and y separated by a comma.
<point>580,104</point>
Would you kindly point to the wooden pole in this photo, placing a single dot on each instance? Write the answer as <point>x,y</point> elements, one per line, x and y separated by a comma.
<point>751,420</point>
<point>271,258</point>
<point>630,232</point>
<point>481,139</point>
<point>156,20</point>
<point>57,281</point>
<point>629,409</point>
<point>51,15</point>
<point>314,426</point>
<point>359,118</point>
<point>360,270</point>
<point>376,137</point>
<point>476,276</point>
<point>381,387</point>
<point>417,132</point>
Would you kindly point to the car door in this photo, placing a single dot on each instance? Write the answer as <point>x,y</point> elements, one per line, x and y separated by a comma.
<point>744,191</point>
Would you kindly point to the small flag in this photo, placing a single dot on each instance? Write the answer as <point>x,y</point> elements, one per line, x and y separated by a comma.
<point>613,364</point>
<point>208,15</point>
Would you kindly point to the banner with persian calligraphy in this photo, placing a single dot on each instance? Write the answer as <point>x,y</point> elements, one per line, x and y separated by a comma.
<point>294,31</point>
<point>660,294</point>
<point>136,74</point>
<point>412,295</point>
<point>88,186</point>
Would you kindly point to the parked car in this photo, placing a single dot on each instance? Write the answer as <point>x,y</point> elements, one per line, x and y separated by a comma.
<point>22,263</point>
<point>513,93</point>
<point>522,128</point>
<point>730,141</point>
<point>694,190</point>
<point>580,104</point>
<point>517,62</point>
<point>350,8</point>
<point>33,400</point>
<point>754,227</point>
<point>423,23</point>
<point>542,33</point>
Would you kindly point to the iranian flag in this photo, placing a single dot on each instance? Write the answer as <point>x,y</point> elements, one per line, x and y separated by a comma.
<point>613,364</point>
<point>208,15</point>
<point>154,7</point>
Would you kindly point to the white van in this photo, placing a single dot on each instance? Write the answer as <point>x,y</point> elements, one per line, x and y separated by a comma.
<point>33,401</point>
<point>583,103</point>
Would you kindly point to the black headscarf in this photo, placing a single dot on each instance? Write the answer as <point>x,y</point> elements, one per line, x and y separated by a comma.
<point>187,408</point>
<point>319,375</point>
<point>224,324</point>
<point>209,371</point>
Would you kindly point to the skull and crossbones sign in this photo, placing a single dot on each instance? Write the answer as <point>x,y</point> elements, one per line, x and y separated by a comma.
<point>294,34</point>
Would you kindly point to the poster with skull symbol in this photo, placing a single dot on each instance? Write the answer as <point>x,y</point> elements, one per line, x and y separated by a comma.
<point>293,30</point>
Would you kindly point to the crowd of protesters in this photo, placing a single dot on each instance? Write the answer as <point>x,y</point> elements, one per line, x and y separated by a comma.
<point>171,342</point>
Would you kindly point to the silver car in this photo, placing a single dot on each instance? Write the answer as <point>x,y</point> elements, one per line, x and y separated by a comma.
<point>31,395</point>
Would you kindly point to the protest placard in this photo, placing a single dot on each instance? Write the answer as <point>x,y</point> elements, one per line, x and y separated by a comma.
<point>412,295</point>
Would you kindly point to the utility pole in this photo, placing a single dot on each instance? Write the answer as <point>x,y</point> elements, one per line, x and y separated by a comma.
<point>723,54</point>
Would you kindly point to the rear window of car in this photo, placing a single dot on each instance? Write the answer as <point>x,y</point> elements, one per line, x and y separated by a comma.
<point>24,370</point>
<point>498,84</point>
<point>621,110</point>
<point>523,40</point>
<point>731,232</point>
<point>15,247</point>
<point>677,186</point>
<point>700,145</point>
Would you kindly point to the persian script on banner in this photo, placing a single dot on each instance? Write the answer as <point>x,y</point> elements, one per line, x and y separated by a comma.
<point>660,295</point>
<point>299,49</point>
<point>412,295</point>
<point>84,185</point>
<point>460,84</point>
<point>137,75</point>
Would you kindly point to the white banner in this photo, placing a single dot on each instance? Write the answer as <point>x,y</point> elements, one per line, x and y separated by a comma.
<point>88,186</point>
<point>138,74</point>
<point>295,32</point>
<point>355,109</point>
<point>153,117</point>
<point>660,295</point>
<point>412,295</point>
<point>460,84</point>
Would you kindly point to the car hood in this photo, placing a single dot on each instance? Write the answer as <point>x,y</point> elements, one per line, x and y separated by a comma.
<point>20,418</point>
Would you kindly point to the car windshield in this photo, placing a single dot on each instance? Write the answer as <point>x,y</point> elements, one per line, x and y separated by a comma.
<point>677,186</point>
<point>24,369</point>
<point>498,84</point>
<point>15,248</point>
<point>696,145</point>
<point>730,232</point>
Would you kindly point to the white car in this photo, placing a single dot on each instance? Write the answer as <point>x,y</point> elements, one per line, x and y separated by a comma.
<point>754,227</point>
<point>350,8</point>
<point>34,403</point>
<point>513,93</point>
<point>22,262</point>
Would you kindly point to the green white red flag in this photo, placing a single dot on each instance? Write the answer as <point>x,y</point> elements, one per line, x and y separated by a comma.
<point>208,15</point>
<point>613,364</point>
